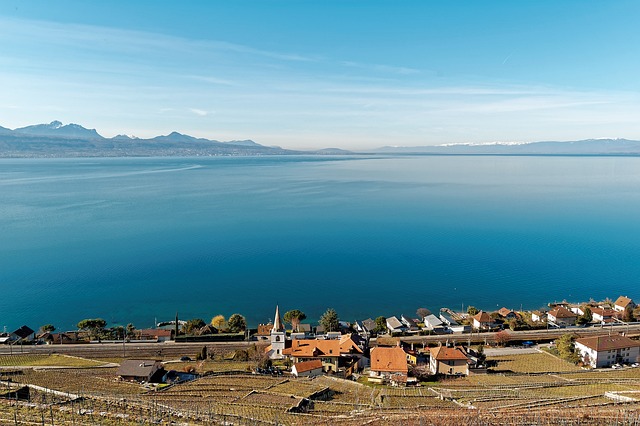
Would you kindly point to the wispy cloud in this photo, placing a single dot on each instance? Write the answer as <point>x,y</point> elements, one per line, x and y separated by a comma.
<point>127,41</point>
<point>213,80</point>
<point>381,68</point>
<point>199,112</point>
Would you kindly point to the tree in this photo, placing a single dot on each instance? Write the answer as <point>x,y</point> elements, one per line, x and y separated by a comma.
<point>502,337</point>
<point>202,355</point>
<point>422,312</point>
<point>94,326</point>
<point>566,348</point>
<point>329,320</point>
<point>471,310</point>
<point>628,314</point>
<point>294,317</point>
<point>258,357</point>
<point>482,357</point>
<point>237,323</point>
<point>130,330</point>
<point>219,322</point>
<point>193,325</point>
<point>117,332</point>
<point>47,328</point>
<point>381,325</point>
<point>586,316</point>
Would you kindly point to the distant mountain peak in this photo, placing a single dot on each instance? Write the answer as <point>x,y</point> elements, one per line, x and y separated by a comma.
<point>56,129</point>
<point>600,146</point>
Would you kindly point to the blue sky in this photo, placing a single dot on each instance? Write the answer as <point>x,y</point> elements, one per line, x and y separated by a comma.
<point>313,74</point>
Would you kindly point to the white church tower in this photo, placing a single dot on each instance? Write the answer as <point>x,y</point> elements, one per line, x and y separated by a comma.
<point>278,337</point>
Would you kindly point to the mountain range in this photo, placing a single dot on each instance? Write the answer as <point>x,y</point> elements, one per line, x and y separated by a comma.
<point>581,147</point>
<point>73,140</point>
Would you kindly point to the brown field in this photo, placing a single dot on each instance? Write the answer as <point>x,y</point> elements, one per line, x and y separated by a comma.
<point>525,393</point>
<point>51,360</point>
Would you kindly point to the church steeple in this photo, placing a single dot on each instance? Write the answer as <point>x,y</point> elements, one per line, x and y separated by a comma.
<point>277,322</point>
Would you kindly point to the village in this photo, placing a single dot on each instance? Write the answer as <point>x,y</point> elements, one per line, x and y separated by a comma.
<point>578,359</point>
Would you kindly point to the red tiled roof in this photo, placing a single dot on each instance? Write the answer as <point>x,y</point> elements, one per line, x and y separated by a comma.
<point>302,367</point>
<point>604,312</point>
<point>443,353</point>
<point>388,359</point>
<point>607,343</point>
<point>623,301</point>
<point>504,312</point>
<point>562,312</point>
<point>317,348</point>
<point>482,317</point>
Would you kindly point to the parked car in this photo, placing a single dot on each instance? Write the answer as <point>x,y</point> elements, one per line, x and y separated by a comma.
<point>616,366</point>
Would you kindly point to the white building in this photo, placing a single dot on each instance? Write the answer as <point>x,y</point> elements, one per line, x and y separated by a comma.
<point>433,323</point>
<point>622,303</point>
<point>604,351</point>
<point>395,325</point>
<point>561,316</point>
<point>278,338</point>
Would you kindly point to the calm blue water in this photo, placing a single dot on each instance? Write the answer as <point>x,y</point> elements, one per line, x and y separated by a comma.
<point>132,239</point>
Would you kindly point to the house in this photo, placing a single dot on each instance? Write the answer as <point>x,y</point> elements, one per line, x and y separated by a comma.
<point>395,325</point>
<point>416,356</point>
<point>336,354</point>
<point>155,334</point>
<point>24,334</point>
<point>452,324</point>
<point>59,338</point>
<point>360,328</point>
<point>622,303</point>
<point>264,331</point>
<point>412,326</point>
<point>433,323</point>
<point>388,364</point>
<point>365,327</point>
<point>538,316</point>
<point>507,314</point>
<point>307,368</point>
<point>141,370</point>
<point>304,328</point>
<point>562,316</point>
<point>206,330</point>
<point>604,351</point>
<point>449,361</point>
<point>578,310</point>
<point>604,315</point>
<point>482,321</point>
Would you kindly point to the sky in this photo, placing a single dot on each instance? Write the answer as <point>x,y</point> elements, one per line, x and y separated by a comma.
<point>314,74</point>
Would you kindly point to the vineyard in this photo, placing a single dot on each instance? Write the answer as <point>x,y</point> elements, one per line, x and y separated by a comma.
<point>521,392</point>
<point>52,360</point>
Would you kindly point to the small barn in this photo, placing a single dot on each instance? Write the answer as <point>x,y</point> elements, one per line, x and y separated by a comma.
<point>141,370</point>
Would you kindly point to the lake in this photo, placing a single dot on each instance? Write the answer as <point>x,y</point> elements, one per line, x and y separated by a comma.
<point>139,239</point>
